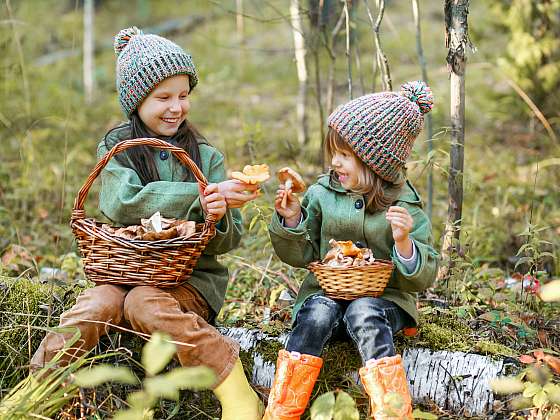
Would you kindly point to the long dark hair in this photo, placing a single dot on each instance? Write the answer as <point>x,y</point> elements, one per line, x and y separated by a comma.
<point>141,158</point>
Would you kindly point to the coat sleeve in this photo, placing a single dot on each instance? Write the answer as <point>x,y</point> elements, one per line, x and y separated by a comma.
<point>124,200</point>
<point>426,267</point>
<point>300,245</point>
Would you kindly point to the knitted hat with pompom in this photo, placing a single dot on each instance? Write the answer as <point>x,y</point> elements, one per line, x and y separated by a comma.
<point>143,61</point>
<point>381,127</point>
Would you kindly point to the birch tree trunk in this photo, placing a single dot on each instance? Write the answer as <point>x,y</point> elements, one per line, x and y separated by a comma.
<point>454,381</point>
<point>89,64</point>
<point>300,53</point>
<point>456,40</point>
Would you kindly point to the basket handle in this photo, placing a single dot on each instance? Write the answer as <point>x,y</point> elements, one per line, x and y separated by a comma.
<point>78,211</point>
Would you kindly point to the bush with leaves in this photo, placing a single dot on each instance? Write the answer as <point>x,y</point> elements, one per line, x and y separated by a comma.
<point>45,393</point>
<point>536,386</point>
<point>533,52</point>
<point>156,355</point>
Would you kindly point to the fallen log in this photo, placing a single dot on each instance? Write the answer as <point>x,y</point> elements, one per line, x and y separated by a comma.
<point>455,381</point>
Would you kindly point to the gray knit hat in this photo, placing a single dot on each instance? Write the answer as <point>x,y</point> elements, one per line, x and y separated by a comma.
<point>381,127</point>
<point>143,61</point>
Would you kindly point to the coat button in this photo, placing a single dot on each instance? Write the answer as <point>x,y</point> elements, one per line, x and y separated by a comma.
<point>163,155</point>
<point>359,204</point>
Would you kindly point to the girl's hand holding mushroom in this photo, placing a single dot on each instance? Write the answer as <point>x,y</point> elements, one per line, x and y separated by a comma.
<point>286,204</point>
<point>244,186</point>
<point>238,193</point>
<point>291,211</point>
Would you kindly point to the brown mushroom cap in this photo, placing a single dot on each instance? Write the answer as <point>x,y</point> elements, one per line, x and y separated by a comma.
<point>298,185</point>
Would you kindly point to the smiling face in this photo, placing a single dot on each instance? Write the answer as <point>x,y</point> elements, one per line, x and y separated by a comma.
<point>167,106</point>
<point>346,165</point>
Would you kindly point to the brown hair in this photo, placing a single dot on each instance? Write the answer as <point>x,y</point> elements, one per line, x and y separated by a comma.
<point>380,194</point>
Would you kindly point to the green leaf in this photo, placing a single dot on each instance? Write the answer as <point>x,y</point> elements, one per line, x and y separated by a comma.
<point>419,414</point>
<point>157,353</point>
<point>345,407</point>
<point>157,386</point>
<point>254,220</point>
<point>141,399</point>
<point>134,414</point>
<point>97,375</point>
<point>506,385</point>
<point>323,407</point>
<point>540,399</point>
<point>193,378</point>
<point>531,390</point>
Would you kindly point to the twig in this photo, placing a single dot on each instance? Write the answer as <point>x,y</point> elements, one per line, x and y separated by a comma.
<point>348,52</point>
<point>21,61</point>
<point>329,45</point>
<point>382,62</point>
<point>429,126</point>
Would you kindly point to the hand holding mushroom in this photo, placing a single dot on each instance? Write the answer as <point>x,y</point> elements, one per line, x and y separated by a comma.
<point>286,204</point>
<point>244,186</point>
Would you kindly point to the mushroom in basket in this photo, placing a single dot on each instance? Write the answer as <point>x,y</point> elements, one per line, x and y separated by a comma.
<point>347,254</point>
<point>292,182</point>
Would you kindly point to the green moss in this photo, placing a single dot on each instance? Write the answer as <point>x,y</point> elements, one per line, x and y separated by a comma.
<point>439,332</point>
<point>494,349</point>
<point>269,350</point>
<point>25,307</point>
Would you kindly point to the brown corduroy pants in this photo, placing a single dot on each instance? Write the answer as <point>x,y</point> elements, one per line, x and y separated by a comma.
<point>181,312</point>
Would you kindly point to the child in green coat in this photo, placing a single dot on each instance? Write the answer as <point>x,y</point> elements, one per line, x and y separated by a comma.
<point>366,199</point>
<point>155,78</point>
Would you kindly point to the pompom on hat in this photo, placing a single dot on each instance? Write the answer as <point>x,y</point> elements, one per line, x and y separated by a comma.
<point>143,61</point>
<point>381,127</point>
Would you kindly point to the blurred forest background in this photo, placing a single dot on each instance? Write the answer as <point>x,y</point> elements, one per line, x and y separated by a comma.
<point>56,104</point>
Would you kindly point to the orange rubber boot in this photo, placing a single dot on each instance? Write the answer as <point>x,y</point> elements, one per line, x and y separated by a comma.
<point>385,382</point>
<point>294,380</point>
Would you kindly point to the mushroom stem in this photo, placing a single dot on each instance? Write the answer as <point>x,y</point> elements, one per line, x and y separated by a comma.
<point>288,186</point>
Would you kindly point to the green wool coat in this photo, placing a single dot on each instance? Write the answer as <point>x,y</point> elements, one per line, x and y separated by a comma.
<point>124,200</point>
<point>330,212</point>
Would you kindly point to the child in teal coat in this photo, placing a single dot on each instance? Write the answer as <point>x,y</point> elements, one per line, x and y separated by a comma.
<point>367,199</point>
<point>155,78</point>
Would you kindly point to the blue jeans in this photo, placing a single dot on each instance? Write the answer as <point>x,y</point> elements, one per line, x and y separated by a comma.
<point>370,323</point>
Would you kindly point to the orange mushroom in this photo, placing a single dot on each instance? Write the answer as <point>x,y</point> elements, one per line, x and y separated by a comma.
<point>292,181</point>
<point>252,174</point>
<point>350,250</point>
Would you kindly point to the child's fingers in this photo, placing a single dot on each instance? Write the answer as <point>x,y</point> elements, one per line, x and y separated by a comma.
<point>215,197</point>
<point>402,219</point>
<point>400,225</point>
<point>210,188</point>
<point>397,210</point>
<point>243,186</point>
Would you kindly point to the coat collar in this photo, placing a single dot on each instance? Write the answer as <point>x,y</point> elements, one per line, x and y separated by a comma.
<point>408,193</point>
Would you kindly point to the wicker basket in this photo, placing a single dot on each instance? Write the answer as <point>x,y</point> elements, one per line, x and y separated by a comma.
<point>349,283</point>
<point>112,259</point>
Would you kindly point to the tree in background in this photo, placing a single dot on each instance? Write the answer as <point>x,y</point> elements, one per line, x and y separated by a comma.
<point>532,59</point>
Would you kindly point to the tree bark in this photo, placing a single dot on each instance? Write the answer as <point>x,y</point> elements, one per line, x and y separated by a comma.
<point>89,45</point>
<point>300,53</point>
<point>455,381</point>
<point>457,39</point>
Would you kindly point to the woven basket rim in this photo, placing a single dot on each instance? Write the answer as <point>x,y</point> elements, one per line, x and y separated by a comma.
<point>378,262</point>
<point>90,222</point>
